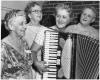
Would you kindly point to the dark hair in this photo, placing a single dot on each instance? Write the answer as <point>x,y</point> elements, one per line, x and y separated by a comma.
<point>30,5</point>
<point>9,15</point>
<point>93,9</point>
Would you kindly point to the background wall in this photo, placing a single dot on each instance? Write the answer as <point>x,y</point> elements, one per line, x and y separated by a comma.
<point>9,5</point>
<point>48,8</point>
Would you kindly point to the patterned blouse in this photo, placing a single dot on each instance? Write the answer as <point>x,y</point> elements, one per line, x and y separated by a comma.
<point>15,65</point>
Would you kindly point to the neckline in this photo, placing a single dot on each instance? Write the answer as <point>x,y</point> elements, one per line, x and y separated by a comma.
<point>82,28</point>
<point>18,47</point>
<point>13,48</point>
<point>30,24</point>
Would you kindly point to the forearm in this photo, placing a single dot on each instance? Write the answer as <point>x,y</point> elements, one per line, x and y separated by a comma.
<point>34,55</point>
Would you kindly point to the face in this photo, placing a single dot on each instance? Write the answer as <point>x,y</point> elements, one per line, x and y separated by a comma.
<point>36,13</point>
<point>62,18</point>
<point>87,17</point>
<point>19,25</point>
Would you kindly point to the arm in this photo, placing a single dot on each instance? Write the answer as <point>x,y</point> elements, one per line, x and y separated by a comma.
<point>34,49</point>
<point>39,64</point>
<point>36,46</point>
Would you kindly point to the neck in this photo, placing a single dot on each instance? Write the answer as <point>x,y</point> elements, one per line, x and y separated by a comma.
<point>84,26</point>
<point>34,23</point>
<point>14,37</point>
<point>61,29</point>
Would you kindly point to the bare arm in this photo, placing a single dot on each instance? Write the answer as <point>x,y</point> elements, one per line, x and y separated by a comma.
<point>39,64</point>
<point>35,48</point>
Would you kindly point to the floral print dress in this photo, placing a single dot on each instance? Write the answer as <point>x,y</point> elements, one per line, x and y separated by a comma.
<point>15,65</point>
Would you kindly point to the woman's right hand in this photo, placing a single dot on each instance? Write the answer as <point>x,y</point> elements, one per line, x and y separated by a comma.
<point>41,66</point>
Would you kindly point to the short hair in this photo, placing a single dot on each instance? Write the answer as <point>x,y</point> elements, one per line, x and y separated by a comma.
<point>10,15</point>
<point>66,7</point>
<point>30,5</point>
<point>93,9</point>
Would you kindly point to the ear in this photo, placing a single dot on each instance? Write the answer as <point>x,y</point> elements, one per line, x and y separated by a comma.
<point>29,16</point>
<point>93,20</point>
<point>11,27</point>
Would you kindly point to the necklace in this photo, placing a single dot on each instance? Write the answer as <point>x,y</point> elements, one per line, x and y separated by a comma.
<point>34,25</point>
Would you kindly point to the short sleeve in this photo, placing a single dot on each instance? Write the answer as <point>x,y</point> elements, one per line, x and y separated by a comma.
<point>39,39</point>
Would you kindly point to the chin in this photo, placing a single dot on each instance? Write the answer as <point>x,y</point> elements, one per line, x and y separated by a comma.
<point>61,26</point>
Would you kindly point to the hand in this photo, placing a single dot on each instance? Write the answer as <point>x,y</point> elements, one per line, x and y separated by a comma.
<point>41,66</point>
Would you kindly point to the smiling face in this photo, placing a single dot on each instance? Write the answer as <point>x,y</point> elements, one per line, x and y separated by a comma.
<point>87,17</point>
<point>36,13</point>
<point>62,18</point>
<point>19,25</point>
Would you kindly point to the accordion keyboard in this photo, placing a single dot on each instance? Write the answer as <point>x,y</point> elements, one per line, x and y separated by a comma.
<point>50,56</point>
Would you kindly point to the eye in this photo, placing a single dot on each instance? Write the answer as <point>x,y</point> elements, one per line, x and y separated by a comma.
<point>57,15</point>
<point>84,14</point>
<point>23,23</point>
<point>89,15</point>
<point>64,17</point>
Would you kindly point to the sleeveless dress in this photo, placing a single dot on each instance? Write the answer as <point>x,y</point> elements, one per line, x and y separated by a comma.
<point>16,65</point>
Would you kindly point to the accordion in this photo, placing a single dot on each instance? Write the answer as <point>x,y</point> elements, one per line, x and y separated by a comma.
<point>77,56</point>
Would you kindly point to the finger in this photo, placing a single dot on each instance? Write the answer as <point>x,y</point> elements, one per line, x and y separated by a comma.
<point>41,72</point>
<point>44,62</point>
<point>46,66</point>
<point>45,70</point>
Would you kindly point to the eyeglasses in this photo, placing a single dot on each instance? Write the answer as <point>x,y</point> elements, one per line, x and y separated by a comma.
<point>37,11</point>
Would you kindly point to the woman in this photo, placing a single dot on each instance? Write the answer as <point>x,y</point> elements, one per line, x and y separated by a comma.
<point>63,17</point>
<point>16,60</point>
<point>34,13</point>
<point>88,16</point>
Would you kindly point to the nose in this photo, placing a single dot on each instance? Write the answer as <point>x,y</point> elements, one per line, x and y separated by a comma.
<point>24,26</point>
<point>85,16</point>
<point>59,18</point>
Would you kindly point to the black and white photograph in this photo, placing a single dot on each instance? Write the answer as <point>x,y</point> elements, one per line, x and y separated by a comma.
<point>50,39</point>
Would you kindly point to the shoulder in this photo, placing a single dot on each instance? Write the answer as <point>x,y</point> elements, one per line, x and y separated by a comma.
<point>94,32</point>
<point>53,27</point>
<point>71,27</point>
<point>43,29</point>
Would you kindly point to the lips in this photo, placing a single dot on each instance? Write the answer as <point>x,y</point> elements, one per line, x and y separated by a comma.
<point>23,30</point>
<point>39,16</point>
<point>84,20</point>
<point>59,22</point>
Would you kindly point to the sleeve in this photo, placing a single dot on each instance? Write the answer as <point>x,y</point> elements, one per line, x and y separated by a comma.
<point>39,39</point>
<point>3,52</point>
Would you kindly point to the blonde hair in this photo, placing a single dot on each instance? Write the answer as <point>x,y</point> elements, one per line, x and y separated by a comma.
<point>66,7</point>
<point>93,9</point>
<point>30,5</point>
<point>10,15</point>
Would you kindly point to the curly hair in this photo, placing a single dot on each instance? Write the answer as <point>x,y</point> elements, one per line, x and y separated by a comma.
<point>66,7</point>
<point>30,5</point>
<point>92,8</point>
<point>10,15</point>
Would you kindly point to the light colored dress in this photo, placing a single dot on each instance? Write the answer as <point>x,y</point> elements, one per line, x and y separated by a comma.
<point>90,31</point>
<point>30,34</point>
<point>16,65</point>
<point>29,37</point>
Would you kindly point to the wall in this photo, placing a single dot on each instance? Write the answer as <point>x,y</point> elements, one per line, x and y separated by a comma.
<point>48,8</point>
<point>9,5</point>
